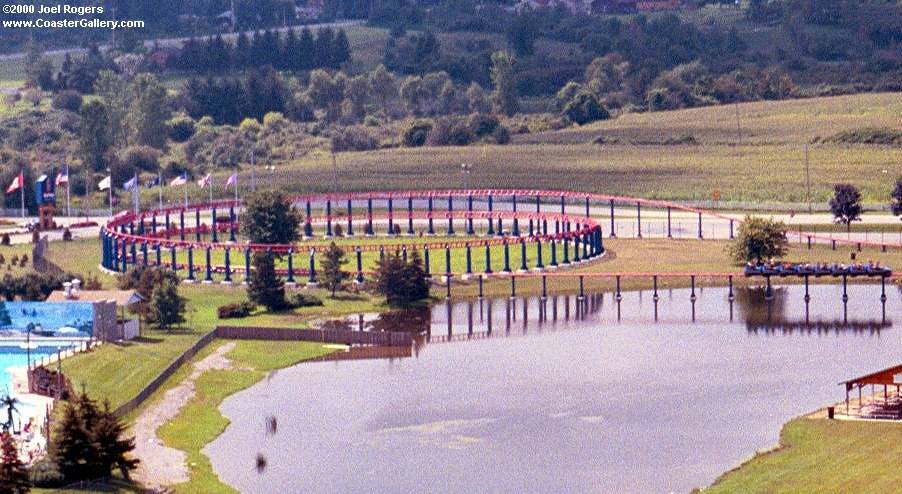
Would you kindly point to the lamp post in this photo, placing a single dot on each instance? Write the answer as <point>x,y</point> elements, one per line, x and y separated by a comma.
<point>272,173</point>
<point>466,169</point>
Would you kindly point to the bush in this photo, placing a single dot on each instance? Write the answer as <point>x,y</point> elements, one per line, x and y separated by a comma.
<point>140,158</point>
<point>482,124</point>
<point>501,135</point>
<point>67,235</point>
<point>449,132</point>
<point>274,121</point>
<point>416,133</point>
<point>759,239</point>
<point>23,261</point>
<point>181,128</point>
<point>305,300</point>
<point>45,473</point>
<point>585,108</point>
<point>354,138</point>
<point>4,239</point>
<point>67,100</point>
<point>249,126</point>
<point>235,310</point>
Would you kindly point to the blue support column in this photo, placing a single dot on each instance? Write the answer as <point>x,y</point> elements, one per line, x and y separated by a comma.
<point>613,227</point>
<point>190,263</point>
<point>247,264</point>
<point>232,224</point>
<point>553,253</point>
<point>181,225</point>
<point>566,242</point>
<point>153,224</point>
<point>488,259</point>
<point>426,263</point>
<point>532,230</point>
<point>700,225</point>
<point>114,257</point>
<point>586,241</point>
<point>429,210</point>
<point>159,254</point>
<point>516,230</point>
<point>213,226</point>
<point>669,234</point>
<point>410,215</point>
<point>308,220</point>
<point>228,267</point>
<point>172,260</point>
<point>576,257</point>
<point>168,225</point>
<point>600,241</point>
<point>470,230</point>
<point>450,215</point>
<point>124,256</point>
<point>523,266</point>
<point>469,260</point>
<point>500,229</point>
<point>350,231</point>
<point>557,227</point>
<point>491,223</point>
<point>144,253</point>
<point>447,259</point>
<point>359,254</point>
<point>507,258</point>
<point>208,278</point>
<point>197,225</point>
<point>587,207</point>
<point>328,217</point>
<point>369,216</point>
<point>290,278</point>
<point>538,204</point>
<point>540,264</point>
<point>391,219</point>
<point>731,229</point>
<point>544,226</point>
<point>563,205</point>
<point>311,280</point>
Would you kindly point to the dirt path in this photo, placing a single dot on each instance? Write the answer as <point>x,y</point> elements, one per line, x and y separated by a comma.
<point>161,465</point>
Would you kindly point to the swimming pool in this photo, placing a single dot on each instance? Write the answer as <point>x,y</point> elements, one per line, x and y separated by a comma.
<point>72,319</point>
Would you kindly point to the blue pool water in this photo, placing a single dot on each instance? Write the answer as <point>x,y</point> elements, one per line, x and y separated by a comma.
<point>60,318</point>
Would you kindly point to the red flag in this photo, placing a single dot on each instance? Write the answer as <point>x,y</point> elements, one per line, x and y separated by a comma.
<point>16,184</point>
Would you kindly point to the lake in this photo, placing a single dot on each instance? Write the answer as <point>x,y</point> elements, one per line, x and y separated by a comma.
<point>569,397</point>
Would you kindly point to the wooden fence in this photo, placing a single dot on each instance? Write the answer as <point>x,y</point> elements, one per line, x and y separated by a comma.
<point>376,338</point>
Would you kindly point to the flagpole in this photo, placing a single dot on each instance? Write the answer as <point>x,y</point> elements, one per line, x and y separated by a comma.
<point>160,185</point>
<point>22,192</point>
<point>186,193</point>
<point>110,189</point>
<point>68,186</point>
<point>136,195</point>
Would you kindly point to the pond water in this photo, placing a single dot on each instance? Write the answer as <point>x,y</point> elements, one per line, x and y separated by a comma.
<point>572,397</point>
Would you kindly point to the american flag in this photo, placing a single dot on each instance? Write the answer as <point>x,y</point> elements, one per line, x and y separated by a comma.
<point>204,182</point>
<point>179,180</point>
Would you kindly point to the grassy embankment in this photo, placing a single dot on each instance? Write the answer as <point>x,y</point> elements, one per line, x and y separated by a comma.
<point>767,165</point>
<point>818,455</point>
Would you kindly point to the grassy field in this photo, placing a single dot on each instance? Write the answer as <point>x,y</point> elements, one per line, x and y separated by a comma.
<point>817,455</point>
<point>200,422</point>
<point>10,251</point>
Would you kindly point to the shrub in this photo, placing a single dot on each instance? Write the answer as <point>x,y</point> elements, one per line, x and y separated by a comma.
<point>15,260</point>
<point>501,135</point>
<point>353,138</point>
<point>482,124</point>
<point>415,134</point>
<point>402,283</point>
<point>758,238</point>
<point>585,108</point>
<point>274,121</point>
<point>67,100</point>
<point>23,261</point>
<point>236,310</point>
<point>4,239</point>
<point>45,473</point>
<point>249,126</point>
<point>181,128</point>
<point>140,158</point>
<point>449,132</point>
<point>305,300</point>
<point>67,235</point>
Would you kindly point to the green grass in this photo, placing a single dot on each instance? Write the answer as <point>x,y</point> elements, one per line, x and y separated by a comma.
<point>18,250</point>
<point>819,455</point>
<point>200,422</point>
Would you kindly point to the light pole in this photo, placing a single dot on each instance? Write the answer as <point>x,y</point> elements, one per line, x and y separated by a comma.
<point>272,174</point>
<point>466,169</point>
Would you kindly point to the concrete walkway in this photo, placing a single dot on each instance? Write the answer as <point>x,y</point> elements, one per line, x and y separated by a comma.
<point>162,466</point>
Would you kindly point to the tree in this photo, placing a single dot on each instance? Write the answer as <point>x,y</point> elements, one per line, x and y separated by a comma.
<point>521,35</point>
<point>384,88</point>
<point>38,68</point>
<point>504,97</point>
<point>9,402</point>
<point>357,91</point>
<point>269,218</point>
<point>149,112</point>
<point>167,307</point>
<point>585,108</point>
<point>72,448</point>
<point>846,205</point>
<point>477,102</point>
<point>113,448</point>
<point>264,286</point>
<point>401,283</point>
<point>96,137</point>
<point>895,203</point>
<point>327,92</point>
<point>13,473</point>
<point>759,239</point>
<point>331,274</point>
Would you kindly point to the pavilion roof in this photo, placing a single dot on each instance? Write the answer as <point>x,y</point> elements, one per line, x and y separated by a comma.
<point>890,375</point>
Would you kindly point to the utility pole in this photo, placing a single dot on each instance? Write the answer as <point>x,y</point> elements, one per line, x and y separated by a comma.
<point>807,179</point>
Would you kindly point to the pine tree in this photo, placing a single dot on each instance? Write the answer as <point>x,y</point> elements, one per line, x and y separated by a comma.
<point>332,275</point>
<point>72,447</point>
<point>13,474</point>
<point>112,450</point>
<point>264,287</point>
<point>167,307</point>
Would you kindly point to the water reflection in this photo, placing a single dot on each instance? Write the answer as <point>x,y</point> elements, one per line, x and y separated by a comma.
<point>557,395</point>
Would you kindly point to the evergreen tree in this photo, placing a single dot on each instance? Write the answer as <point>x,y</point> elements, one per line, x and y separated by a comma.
<point>13,473</point>
<point>341,50</point>
<point>149,112</point>
<point>384,87</point>
<point>304,55</point>
<point>331,275</point>
<point>96,137</point>
<point>167,307</point>
<point>75,455</point>
<point>269,218</point>
<point>113,448</point>
<point>241,54</point>
<point>264,286</point>
<point>401,283</point>
<point>322,47</point>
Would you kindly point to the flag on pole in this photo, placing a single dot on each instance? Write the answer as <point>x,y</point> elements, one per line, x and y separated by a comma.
<point>131,184</point>
<point>204,182</point>
<point>62,178</point>
<point>153,183</point>
<point>16,184</point>
<point>179,180</point>
<point>233,180</point>
<point>105,183</point>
